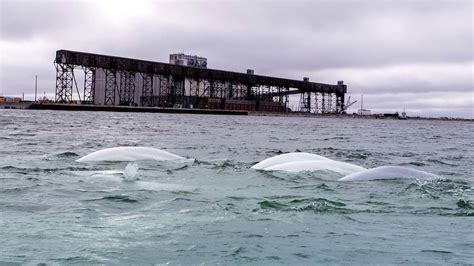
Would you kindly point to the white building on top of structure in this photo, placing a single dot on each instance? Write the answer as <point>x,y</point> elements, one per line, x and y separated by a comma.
<point>188,60</point>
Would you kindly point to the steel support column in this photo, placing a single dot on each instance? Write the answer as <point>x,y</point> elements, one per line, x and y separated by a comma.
<point>164,91</point>
<point>334,103</point>
<point>194,87</point>
<point>323,103</point>
<point>177,90</point>
<point>147,89</point>
<point>89,84</point>
<point>64,82</point>
<point>127,88</point>
<point>229,88</point>
<point>219,89</point>
<point>110,86</point>
<point>319,103</point>
<point>305,102</point>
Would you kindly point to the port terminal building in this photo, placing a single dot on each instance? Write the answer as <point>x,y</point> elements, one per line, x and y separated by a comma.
<point>184,82</point>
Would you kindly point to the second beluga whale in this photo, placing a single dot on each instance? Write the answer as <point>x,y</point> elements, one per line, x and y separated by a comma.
<point>389,173</point>
<point>301,161</point>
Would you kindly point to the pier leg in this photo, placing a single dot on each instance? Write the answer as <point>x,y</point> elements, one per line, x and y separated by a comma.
<point>147,89</point>
<point>110,86</point>
<point>89,84</point>
<point>64,82</point>
<point>127,88</point>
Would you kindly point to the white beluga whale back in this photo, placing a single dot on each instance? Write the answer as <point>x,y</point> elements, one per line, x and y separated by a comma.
<point>287,158</point>
<point>389,172</point>
<point>301,161</point>
<point>129,154</point>
<point>321,165</point>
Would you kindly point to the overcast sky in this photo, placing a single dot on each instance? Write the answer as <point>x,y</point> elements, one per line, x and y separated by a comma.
<point>416,55</point>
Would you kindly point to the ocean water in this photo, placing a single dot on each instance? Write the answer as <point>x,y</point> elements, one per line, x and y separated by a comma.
<point>214,209</point>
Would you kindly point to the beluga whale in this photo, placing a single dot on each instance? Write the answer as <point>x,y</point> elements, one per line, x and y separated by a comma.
<point>287,158</point>
<point>331,165</point>
<point>301,161</point>
<point>129,154</point>
<point>388,173</point>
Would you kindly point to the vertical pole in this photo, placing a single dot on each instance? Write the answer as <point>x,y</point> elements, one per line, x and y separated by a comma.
<point>36,86</point>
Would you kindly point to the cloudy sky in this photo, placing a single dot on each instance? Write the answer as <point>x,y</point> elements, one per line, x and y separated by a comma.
<point>416,55</point>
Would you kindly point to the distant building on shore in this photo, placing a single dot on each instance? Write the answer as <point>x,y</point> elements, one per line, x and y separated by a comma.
<point>13,103</point>
<point>363,112</point>
<point>4,99</point>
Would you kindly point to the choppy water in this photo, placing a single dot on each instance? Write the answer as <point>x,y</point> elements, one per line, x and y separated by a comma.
<point>216,209</point>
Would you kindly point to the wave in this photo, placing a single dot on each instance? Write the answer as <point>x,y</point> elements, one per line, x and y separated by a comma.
<point>116,198</point>
<point>441,162</point>
<point>17,189</point>
<point>464,204</point>
<point>67,154</point>
<point>26,170</point>
<point>316,205</point>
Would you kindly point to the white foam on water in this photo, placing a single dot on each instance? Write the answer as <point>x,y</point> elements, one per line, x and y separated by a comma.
<point>131,171</point>
<point>97,172</point>
<point>389,172</point>
<point>156,186</point>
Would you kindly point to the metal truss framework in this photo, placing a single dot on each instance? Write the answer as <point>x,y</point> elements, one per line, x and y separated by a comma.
<point>168,85</point>
<point>110,86</point>
<point>64,82</point>
<point>320,103</point>
<point>147,89</point>
<point>164,92</point>
<point>127,88</point>
<point>89,84</point>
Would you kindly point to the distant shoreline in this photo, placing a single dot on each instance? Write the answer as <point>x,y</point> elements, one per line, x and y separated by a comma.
<point>355,116</point>
<point>103,108</point>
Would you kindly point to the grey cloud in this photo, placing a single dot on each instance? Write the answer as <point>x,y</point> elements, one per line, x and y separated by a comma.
<point>296,36</point>
<point>20,20</point>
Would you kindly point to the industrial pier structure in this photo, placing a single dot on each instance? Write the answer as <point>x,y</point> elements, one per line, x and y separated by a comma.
<point>117,81</point>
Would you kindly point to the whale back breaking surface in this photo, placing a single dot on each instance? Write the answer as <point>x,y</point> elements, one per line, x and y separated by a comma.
<point>129,154</point>
<point>301,161</point>
<point>287,158</point>
<point>389,172</point>
<point>299,166</point>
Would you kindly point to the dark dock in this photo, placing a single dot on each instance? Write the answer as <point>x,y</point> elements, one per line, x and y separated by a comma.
<point>138,109</point>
